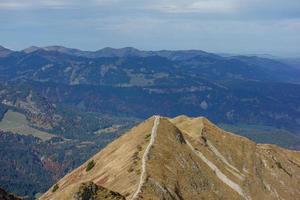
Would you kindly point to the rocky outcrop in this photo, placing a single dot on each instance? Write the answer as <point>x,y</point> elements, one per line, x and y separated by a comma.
<point>6,196</point>
<point>91,191</point>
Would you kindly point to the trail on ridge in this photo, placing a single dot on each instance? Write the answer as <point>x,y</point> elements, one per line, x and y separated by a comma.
<point>145,157</point>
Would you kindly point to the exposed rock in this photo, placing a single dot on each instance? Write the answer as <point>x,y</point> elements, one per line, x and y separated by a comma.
<point>6,196</point>
<point>91,191</point>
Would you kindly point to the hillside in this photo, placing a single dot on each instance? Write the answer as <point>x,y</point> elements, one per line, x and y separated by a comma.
<point>186,158</point>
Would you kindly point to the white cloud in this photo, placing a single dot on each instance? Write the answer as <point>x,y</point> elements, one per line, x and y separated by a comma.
<point>196,6</point>
<point>31,4</point>
<point>11,5</point>
<point>207,8</point>
<point>41,4</point>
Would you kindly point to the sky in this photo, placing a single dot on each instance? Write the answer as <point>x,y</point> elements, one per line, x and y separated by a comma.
<point>221,26</point>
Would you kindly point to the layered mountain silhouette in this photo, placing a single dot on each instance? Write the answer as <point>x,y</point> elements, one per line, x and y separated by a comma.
<point>237,89</point>
<point>123,52</point>
<point>186,159</point>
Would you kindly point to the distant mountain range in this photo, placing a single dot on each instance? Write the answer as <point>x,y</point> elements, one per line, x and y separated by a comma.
<point>122,52</point>
<point>130,51</point>
<point>186,159</point>
<point>294,62</point>
<point>237,89</point>
<point>63,105</point>
<point>191,57</point>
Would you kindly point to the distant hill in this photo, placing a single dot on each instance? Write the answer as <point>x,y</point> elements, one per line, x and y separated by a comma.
<point>122,52</point>
<point>186,158</point>
<point>294,62</point>
<point>4,51</point>
<point>73,66</point>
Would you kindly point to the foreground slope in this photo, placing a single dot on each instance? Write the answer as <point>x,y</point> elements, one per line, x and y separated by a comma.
<point>187,158</point>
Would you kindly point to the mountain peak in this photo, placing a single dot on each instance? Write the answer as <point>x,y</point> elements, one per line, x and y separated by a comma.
<point>187,158</point>
<point>2,48</point>
<point>55,48</point>
<point>4,51</point>
<point>122,52</point>
<point>119,49</point>
<point>31,49</point>
<point>62,49</point>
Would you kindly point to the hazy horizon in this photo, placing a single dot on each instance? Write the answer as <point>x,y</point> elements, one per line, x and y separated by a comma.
<point>218,53</point>
<point>218,26</point>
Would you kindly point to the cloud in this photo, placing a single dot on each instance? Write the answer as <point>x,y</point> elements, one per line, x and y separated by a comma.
<point>205,8</point>
<point>196,6</point>
<point>50,4</point>
<point>254,9</point>
<point>33,4</point>
<point>214,25</point>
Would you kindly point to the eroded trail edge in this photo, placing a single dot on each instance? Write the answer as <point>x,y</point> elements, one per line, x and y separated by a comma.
<point>146,156</point>
<point>220,174</point>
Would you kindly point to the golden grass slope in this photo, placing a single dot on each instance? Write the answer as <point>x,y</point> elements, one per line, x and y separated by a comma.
<point>188,159</point>
<point>118,166</point>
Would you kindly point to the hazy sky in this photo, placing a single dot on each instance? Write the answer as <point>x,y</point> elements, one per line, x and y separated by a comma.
<point>231,26</point>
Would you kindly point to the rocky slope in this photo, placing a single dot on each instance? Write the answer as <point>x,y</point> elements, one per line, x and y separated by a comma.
<point>6,196</point>
<point>186,158</point>
<point>90,190</point>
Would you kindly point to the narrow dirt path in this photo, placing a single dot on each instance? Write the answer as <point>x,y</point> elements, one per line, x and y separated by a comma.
<point>146,156</point>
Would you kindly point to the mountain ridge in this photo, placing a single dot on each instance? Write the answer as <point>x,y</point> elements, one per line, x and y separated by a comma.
<point>110,51</point>
<point>122,52</point>
<point>4,51</point>
<point>187,158</point>
<point>191,57</point>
